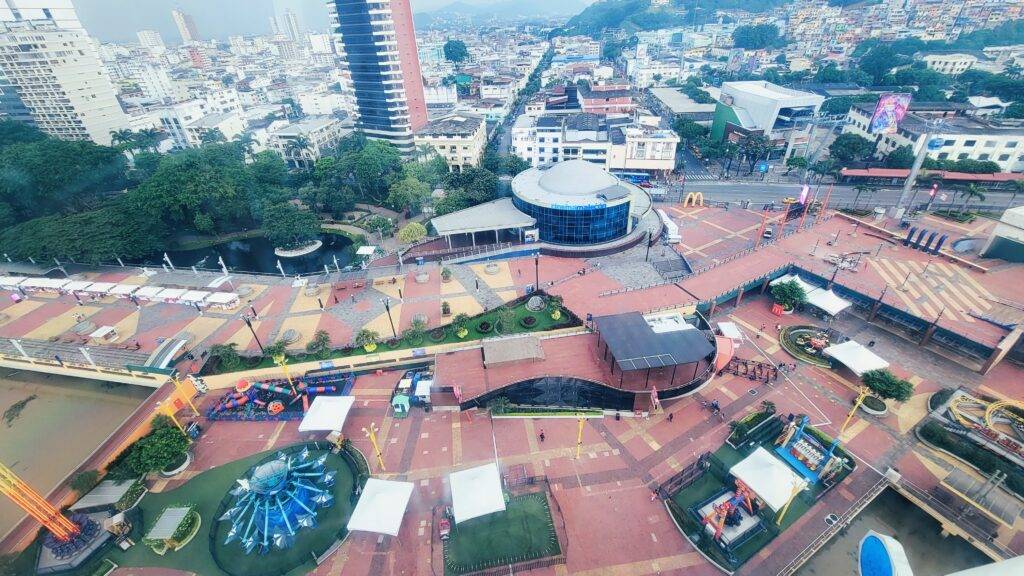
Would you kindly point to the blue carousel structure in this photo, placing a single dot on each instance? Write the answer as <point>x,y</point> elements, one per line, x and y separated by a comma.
<point>277,499</point>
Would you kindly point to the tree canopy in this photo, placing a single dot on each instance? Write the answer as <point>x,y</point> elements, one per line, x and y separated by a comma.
<point>287,226</point>
<point>456,51</point>
<point>757,37</point>
<point>851,147</point>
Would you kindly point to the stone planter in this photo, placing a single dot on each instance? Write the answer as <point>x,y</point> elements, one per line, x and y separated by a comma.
<point>875,406</point>
<point>179,469</point>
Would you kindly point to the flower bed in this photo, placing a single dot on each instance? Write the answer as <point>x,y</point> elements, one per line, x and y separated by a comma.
<point>528,322</point>
<point>874,406</point>
<point>484,327</point>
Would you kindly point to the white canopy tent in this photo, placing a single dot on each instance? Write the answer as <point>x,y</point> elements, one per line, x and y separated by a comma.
<point>77,285</point>
<point>825,300</point>
<point>476,492</point>
<point>769,477</point>
<point>100,287</point>
<point>327,413</point>
<point>730,331</point>
<point>148,292</point>
<point>381,507</point>
<point>124,289</point>
<point>194,296</point>
<point>855,357</point>
<point>11,282</point>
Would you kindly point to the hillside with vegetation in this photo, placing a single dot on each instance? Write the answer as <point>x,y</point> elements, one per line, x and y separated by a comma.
<point>636,15</point>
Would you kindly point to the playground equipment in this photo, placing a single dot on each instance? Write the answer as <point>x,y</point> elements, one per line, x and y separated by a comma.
<point>992,423</point>
<point>728,512</point>
<point>277,499</point>
<point>277,399</point>
<point>806,454</point>
<point>69,539</point>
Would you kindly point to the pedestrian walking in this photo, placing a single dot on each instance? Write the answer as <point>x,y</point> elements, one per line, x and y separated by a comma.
<point>654,495</point>
<point>671,415</point>
<point>541,434</point>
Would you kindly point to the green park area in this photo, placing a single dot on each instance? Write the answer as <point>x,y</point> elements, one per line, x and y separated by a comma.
<point>716,478</point>
<point>524,531</point>
<point>511,318</point>
<point>207,554</point>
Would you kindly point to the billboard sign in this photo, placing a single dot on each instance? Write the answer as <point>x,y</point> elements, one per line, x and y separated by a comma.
<point>889,112</point>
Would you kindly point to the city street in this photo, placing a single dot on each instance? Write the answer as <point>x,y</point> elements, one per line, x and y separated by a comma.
<point>841,194</point>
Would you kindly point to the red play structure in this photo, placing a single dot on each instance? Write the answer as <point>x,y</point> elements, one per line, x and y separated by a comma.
<point>728,511</point>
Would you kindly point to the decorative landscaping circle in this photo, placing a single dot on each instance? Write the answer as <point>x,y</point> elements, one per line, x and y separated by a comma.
<point>874,406</point>
<point>805,343</point>
<point>437,334</point>
<point>484,327</point>
<point>491,269</point>
<point>528,322</point>
<point>178,466</point>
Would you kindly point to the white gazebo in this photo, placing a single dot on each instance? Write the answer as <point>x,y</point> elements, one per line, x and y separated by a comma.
<point>381,507</point>
<point>769,477</point>
<point>327,414</point>
<point>476,492</point>
<point>855,357</point>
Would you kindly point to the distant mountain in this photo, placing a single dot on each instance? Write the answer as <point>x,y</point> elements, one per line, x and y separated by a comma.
<point>503,9</point>
<point>633,15</point>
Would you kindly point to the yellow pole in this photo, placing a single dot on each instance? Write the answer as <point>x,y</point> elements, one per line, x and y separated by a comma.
<point>181,390</point>
<point>372,435</point>
<point>579,436</point>
<point>168,409</point>
<point>282,363</point>
<point>860,399</point>
<point>796,490</point>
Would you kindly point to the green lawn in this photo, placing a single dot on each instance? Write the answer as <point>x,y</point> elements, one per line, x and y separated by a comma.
<point>205,491</point>
<point>544,323</point>
<point>524,531</point>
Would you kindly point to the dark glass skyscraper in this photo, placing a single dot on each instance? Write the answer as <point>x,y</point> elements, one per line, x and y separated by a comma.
<point>378,49</point>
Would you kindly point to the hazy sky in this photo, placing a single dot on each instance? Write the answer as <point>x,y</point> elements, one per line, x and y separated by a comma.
<point>119,20</point>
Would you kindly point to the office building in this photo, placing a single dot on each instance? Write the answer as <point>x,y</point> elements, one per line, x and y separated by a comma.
<point>291,26</point>
<point>52,73</point>
<point>459,139</point>
<point>962,137</point>
<point>302,143</point>
<point>613,143</point>
<point>151,41</point>
<point>377,44</point>
<point>782,115</point>
<point>186,26</point>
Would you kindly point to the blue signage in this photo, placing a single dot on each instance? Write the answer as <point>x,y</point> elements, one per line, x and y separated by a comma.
<point>762,167</point>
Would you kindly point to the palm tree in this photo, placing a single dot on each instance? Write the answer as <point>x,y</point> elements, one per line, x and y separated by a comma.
<point>124,140</point>
<point>971,192</point>
<point>149,138</point>
<point>246,143</point>
<point>212,136</point>
<point>1017,188</point>
<point>861,188</point>
<point>294,149</point>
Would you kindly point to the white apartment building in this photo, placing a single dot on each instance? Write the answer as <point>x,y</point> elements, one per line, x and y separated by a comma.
<point>223,101</point>
<point>952,63</point>
<point>321,43</point>
<point>615,143</point>
<point>56,75</point>
<point>186,26</point>
<point>60,12</point>
<point>151,41</point>
<point>229,124</point>
<point>459,138</point>
<point>439,95</point>
<point>157,85</point>
<point>302,143</point>
<point>963,138</point>
<point>176,117</point>
<point>498,89</point>
<point>321,104</point>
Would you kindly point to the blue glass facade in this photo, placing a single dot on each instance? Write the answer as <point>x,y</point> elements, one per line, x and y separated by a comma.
<point>576,225</point>
<point>364,63</point>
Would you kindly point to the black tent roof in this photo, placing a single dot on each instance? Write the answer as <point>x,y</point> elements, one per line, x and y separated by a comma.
<point>636,346</point>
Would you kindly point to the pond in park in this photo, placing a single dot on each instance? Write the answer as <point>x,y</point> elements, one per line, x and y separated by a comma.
<point>257,255</point>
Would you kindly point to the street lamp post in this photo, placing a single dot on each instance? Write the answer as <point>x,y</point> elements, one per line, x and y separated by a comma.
<point>931,128</point>
<point>387,306</point>
<point>536,271</point>
<point>248,322</point>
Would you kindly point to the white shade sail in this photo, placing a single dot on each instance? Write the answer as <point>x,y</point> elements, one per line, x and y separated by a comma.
<point>820,298</point>
<point>476,492</point>
<point>769,477</point>
<point>855,357</point>
<point>381,507</point>
<point>327,413</point>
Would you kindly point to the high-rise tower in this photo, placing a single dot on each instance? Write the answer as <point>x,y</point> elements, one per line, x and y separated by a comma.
<point>378,48</point>
<point>186,26</point>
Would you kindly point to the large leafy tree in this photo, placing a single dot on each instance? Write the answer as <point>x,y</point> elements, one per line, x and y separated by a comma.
<point>850,147</point>
<point>287,226</point>
<point>455,51</point>
<point>478,184</point>
<point>878,62</point>
<point>757,36</point>
<point>887,385</point>
<point>902,157</point>
<point>408,194</point>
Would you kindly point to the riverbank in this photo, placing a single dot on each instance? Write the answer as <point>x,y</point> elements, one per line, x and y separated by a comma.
<point>51,424</point>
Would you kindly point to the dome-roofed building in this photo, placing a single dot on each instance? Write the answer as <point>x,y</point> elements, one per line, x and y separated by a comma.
<point>577,202</point>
